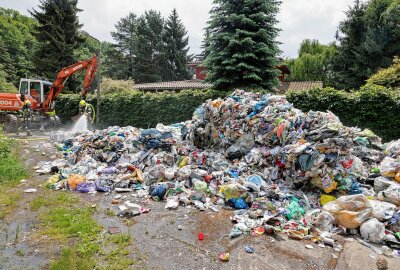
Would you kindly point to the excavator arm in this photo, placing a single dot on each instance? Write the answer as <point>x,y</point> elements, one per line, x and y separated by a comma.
<point>58,84</point>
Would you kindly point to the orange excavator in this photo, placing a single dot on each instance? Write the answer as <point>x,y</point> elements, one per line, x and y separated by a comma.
<point>34,106</point>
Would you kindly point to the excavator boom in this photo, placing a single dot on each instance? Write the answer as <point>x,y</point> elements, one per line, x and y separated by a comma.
<point>58,84</point>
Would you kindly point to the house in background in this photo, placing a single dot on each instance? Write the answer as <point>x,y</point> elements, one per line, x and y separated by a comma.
<point>200,75</point>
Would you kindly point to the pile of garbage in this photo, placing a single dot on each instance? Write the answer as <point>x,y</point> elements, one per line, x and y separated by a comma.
<point>282,170</point>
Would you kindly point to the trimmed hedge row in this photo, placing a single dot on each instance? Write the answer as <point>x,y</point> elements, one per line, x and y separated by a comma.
<point>140,109</point>
<point>373,107</point>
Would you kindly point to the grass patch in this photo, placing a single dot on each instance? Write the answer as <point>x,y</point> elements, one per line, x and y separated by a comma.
<point>109,213</point>
<point>118,258</point>
<point>122,238</point>
<point>65,221</point>
<point>12,171</point>
<point>71,259</point>
<point>8,203</point>
<point>11,168</point>
<point>20,253</point>
<point>48,200</point>
<point>38,203</point>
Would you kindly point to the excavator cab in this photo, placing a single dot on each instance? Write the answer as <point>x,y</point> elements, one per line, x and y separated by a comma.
<point>35,90</point>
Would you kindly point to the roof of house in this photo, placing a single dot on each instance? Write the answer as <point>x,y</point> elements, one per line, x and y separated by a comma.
<point>299,86</point>
<point>199,84</point>
<point>175,85</point>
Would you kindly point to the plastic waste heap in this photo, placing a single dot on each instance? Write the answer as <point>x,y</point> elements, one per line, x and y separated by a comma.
<point>282,170</point>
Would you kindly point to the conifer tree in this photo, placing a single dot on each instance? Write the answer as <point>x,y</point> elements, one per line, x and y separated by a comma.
<point>149,47</point>
<point>126,38</point>
<point>349,68</point>
<point>243,48</point>
<point>175,49</point>
<point>58,36</point>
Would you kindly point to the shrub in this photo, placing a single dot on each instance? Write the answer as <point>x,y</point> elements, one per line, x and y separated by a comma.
<point>388,77</point>
<point>110,86</point>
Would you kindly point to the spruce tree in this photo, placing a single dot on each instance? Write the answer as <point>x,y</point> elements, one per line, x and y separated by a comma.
<point>175,51</point>
<point>126,38</point>
<point>204,45</point>
<point>349,66</point>
<point>243,48</point>
<point>149,48</point>
<point>58,36</point>
<point>114,64</point>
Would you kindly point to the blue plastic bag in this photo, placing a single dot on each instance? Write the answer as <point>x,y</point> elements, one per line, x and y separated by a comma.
<point>238,203</point>
<point>159,192</point>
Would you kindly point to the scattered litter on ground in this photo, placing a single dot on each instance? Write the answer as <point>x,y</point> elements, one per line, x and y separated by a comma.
<point>224,257</point>
<point>200,236</point>
<point>281,170</point>
<point>30,190</point>
<point>249,249</point>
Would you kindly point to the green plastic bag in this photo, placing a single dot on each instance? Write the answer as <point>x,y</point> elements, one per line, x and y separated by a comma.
<point>295,211</point>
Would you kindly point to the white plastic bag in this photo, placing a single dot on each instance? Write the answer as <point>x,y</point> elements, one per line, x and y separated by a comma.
<point>372,230</point>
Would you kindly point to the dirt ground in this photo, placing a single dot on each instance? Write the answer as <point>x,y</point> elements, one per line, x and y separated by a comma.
<point>168,239</point>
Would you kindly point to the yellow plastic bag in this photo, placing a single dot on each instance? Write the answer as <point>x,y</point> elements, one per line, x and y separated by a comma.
<point>183,162</point>
<point>230,191</point>
<point>327,184</point>
<point>326,198</point>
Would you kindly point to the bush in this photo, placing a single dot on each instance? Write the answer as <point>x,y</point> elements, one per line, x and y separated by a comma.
<point>139,109</point>
<point>374,107</point>
<point>110,86</point>
<point>388,77</point>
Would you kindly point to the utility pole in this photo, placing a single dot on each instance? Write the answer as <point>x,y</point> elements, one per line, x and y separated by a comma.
<point>98,86</point>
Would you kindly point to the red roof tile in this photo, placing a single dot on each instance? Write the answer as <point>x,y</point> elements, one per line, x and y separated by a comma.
<point>298,86</point>
<point>199,84</point>
<point>176,85</point>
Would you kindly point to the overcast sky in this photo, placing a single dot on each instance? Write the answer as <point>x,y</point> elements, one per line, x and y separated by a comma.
<point>299,19</point>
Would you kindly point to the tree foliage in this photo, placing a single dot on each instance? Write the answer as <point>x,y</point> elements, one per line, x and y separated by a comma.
<point>175,51</point>
<point>114,64</point>
<point>5,87</point>
<point>126,42</point>
<point>150,48</point>
<point>313,62</point>
<point>16,45</point>
<point>368,39</point>
<point>58,36</point>
<point>243,48</point>
<point>388,77</point>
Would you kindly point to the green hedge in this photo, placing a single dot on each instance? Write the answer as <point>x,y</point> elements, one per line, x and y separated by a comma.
<point>140,109</point>
<point>373,107</point>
